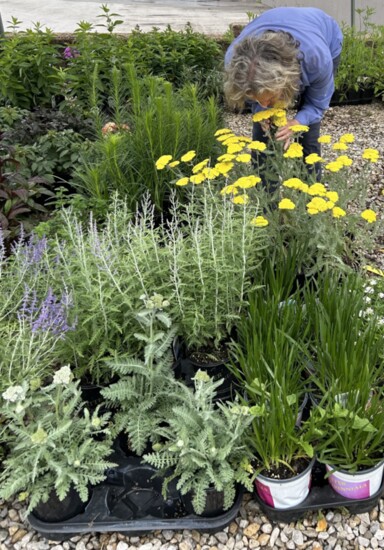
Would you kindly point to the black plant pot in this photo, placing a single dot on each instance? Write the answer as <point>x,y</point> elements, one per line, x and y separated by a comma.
<point>213,505</point>
<point>353,97</point>
<point>55,510</point>
<point>186,367</point>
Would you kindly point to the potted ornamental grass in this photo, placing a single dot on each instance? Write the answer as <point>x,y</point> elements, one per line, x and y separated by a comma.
<point>57,450</point>
<point>202,445</point>
<point>268,360</point>
<point>348,437</point>
<point>346,342</point>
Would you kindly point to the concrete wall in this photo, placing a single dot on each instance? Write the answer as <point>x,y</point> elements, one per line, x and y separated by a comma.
<point>341,10</point>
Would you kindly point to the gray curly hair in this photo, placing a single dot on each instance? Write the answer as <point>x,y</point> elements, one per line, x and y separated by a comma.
<point>269,62</point>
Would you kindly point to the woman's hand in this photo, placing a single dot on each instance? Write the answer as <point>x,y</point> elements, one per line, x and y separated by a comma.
<point>285,134</point>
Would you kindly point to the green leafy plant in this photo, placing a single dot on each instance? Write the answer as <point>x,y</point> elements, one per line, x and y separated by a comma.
<point>146,387</point>
<point>161,121</point>
<point>361,56</point>
<point>54,443</point>
<point>348,433</point>
<point>204,444</point>
<point>28,64</point>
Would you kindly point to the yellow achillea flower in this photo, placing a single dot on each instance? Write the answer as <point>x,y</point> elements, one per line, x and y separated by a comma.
<point>340,146</point>
<point>232,139</point>
<point>263,115</point>
<point>295,150</point>
<point>162,162</point>
<point>279,119</point>
<point>229,190</point>
<point>334,166</point>
<point>259,221</point>
<point>210,173</point>
<point>317,189</point>
<point>246,182</point>
<point>347,138</point>
<point>226,136</point>
<point>296,183</point>
<point>369,215</point>
<point>245,157</point>
<point>188,156</point>
<point>224,167</point>
<point>245,138</point>
<point>316,205</point>
<point>222,131</point>
<point>332,196</point>
<point>299,128</point>
<point>257,146</point>
<point>200,166</point>
<point>241,199</point>
<point>197,179</point>
<point>312,158</point>
<point>235,148</point>
<point>286,204</point>
<point>182,181</point>
<point>173,164</point>
<point>326,138</point>
<point>345,160</point>
<point>226,158</point>
<point>338,212</point>
<point>371,154</point>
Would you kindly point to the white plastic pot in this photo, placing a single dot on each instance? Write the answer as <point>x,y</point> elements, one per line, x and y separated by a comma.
<point>285,493</point>
<point>360,485</point>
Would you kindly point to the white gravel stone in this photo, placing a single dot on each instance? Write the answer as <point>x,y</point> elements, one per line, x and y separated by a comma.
<point>122,546</point>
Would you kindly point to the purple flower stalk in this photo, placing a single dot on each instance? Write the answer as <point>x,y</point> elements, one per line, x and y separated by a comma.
<point>34,251</point>
<point>49,316</point>
<point>70,53</point>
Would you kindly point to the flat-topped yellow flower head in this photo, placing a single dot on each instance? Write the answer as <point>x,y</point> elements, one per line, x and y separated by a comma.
<point>259,221</point>
<point>163,161</point>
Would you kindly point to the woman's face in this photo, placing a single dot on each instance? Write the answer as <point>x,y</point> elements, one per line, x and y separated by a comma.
<point>266,99</point>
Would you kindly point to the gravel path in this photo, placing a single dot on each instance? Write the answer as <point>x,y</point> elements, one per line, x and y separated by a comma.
<point>332,530</point>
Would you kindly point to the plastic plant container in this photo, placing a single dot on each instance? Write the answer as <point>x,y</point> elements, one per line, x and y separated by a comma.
<point>130,501</point>
<point>321,496</point>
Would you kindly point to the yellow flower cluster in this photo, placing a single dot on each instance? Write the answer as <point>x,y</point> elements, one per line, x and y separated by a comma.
<point>371,154</point>
<point>295,150</point>
<point>323,200</point>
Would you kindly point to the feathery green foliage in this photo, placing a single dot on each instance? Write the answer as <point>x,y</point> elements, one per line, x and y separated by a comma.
<point>146,387</point>
<point>204,444</point>
<point>54,443</point>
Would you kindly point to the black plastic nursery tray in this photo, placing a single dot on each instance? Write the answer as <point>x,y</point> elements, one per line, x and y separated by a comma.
<point>130,501</point>
<point>321,496</point>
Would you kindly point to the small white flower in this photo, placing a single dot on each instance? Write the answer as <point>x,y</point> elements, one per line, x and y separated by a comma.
<point>380,322</point>
<point>367,299</point>
<point>14,393</point>
<point>369,290</point>
<point>381,295</point>
<point>180,443</point>
<point>374,282</point>
<point>63,376</point>
<point>368,311</point>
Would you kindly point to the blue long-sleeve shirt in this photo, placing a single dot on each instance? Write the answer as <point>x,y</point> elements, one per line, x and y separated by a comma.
<point>320,40</point>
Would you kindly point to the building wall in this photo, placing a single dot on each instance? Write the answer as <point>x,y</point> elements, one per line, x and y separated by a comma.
<point>341,10</point>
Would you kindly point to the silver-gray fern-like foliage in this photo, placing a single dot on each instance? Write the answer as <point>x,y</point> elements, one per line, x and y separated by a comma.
<point>204,444</point>
<point>146,388</point>
<point>54,443</point>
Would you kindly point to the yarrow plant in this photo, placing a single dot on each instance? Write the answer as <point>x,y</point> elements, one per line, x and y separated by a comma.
<point>54,443</point>
<point>331,216</point>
